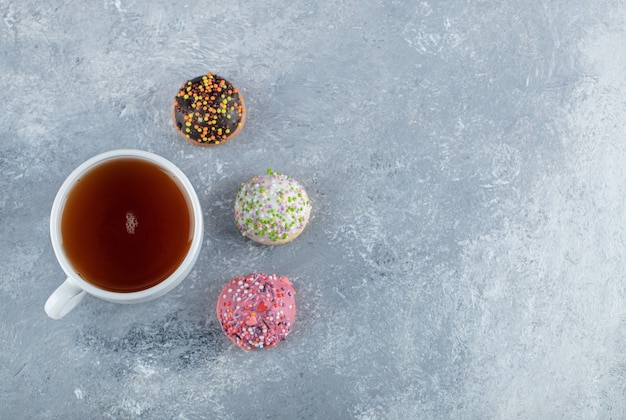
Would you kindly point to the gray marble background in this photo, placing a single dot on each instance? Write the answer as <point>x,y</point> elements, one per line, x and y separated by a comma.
<point>466,162</point>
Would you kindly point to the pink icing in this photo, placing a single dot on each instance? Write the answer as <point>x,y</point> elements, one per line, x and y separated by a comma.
<point>256,311</point>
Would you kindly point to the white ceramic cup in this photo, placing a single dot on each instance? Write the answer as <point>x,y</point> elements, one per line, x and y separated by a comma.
<point>74,289</point>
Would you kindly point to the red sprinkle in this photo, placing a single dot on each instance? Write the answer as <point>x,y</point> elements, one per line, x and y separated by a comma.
<point>268,324</point>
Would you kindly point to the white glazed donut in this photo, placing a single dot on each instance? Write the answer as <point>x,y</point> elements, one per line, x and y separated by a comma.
<point>272,208</point>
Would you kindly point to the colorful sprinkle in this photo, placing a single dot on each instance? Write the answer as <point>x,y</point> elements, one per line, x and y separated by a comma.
<point>272,208</point>
<point>199,101</point>
<point>256,311</point>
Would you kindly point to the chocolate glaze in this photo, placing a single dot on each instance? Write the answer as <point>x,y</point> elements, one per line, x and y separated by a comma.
<point>208,110</point>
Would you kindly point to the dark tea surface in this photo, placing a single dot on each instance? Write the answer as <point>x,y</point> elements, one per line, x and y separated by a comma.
<point>126,225</point>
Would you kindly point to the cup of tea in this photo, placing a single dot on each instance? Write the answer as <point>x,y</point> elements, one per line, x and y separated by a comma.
<point>126,226</point>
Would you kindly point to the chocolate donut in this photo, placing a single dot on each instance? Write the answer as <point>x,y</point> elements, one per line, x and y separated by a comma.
<point>208,110</point>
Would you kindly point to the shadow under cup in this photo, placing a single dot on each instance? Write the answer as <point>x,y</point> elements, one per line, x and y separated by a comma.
<point>126,226</point>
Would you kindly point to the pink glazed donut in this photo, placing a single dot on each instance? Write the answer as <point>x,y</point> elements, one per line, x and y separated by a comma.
<point>256,311</point>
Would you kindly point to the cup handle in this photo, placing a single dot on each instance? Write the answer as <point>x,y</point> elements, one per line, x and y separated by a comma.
<point>64,299</point>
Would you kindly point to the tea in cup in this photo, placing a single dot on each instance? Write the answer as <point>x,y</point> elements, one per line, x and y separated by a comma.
<point>126,226</point>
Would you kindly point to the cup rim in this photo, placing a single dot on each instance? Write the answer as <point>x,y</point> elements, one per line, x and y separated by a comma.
<point>184,267</point>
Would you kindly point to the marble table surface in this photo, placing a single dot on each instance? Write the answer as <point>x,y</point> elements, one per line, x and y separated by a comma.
<point>466,162</point>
